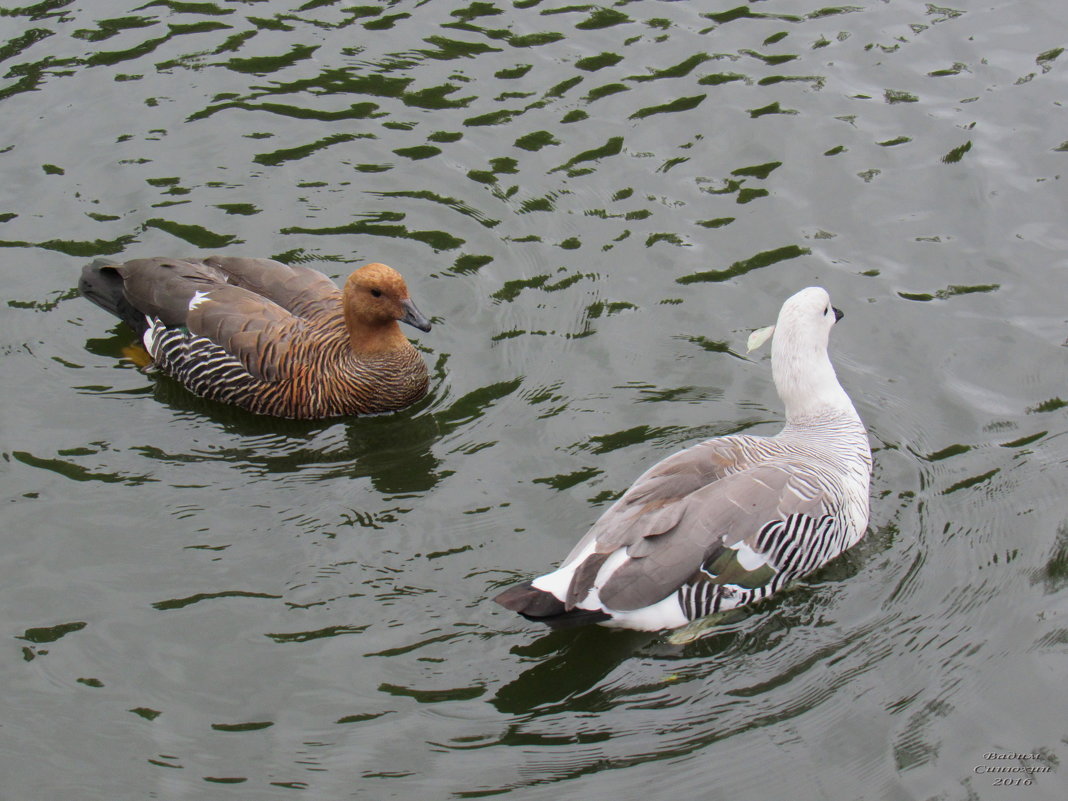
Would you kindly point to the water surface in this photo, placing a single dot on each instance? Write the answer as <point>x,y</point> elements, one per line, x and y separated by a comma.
<point>596,204</point>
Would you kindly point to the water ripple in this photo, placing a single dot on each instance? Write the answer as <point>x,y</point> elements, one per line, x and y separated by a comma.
<point>596,204</point>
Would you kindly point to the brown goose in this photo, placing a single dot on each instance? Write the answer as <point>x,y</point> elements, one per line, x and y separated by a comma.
<point>272,338</point>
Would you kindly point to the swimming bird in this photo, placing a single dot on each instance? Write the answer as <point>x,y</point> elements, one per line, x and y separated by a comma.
<point>272,338</point>
<point>731,520</point>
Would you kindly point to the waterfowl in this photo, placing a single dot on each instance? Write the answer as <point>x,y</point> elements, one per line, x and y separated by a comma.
<point>272,338</point>
<point>732,519</point>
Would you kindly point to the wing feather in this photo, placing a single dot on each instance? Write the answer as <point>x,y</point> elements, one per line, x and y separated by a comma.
<point>725,512</point>
<point>256,331</point>
<point>651,502</point>
<point>301,290</point>
<point>162,288</point>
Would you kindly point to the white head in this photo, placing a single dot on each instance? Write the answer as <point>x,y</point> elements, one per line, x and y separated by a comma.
<point>800,366</point>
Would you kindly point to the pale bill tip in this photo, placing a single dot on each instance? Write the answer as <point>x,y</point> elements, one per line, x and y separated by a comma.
<point>759,337</point>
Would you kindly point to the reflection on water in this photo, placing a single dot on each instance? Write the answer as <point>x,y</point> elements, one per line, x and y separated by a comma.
<point>598,204</point>
<point>569,666</point>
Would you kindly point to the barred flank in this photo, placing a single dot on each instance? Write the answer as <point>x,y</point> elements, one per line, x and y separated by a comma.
<point>703,598</point>
<point>793,547</point>
<point>327,381</point>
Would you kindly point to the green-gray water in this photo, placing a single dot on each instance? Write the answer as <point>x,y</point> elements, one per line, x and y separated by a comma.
<point>596,204</point>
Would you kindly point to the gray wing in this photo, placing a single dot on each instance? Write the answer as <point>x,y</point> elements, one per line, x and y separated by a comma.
<point>254,329</point>
<point>162,288</point>
<point>303,291</point>
<point>673,526</point>
<point>652,502</point>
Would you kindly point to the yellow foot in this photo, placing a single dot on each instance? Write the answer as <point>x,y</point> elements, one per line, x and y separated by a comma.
<point>138,355</point>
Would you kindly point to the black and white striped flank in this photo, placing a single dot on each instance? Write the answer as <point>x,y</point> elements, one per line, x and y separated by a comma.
<point>199,364</point>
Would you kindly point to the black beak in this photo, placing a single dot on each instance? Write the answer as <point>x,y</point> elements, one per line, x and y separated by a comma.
<point>414,317</point>
<point>838,314</point>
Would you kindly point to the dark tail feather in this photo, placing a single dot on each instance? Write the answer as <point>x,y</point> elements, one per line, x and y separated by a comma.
<point>529,601</point>
<point>544,607</point>
<point>102,284</point>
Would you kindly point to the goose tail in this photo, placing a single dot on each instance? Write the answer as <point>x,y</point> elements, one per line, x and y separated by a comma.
<point>544,607</point>
<point>102,284</point>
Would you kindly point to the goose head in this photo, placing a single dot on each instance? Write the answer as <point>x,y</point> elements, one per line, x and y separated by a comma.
<point>804,376</point>
<point>375,298</point>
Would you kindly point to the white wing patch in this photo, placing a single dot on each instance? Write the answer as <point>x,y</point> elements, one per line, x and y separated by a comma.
<point>199,297</point>
<point>747,557</point>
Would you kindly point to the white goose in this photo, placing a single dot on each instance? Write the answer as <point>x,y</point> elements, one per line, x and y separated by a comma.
<point>733,519</point>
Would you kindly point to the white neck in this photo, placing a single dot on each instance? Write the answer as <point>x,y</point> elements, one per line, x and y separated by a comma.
<point>806,381</point>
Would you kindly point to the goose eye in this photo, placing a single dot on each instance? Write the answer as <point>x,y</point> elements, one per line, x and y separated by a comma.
<point>376,292</point>
<point>827,310</point>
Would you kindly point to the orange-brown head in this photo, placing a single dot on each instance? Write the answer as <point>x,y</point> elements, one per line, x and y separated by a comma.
<point>375,297</point>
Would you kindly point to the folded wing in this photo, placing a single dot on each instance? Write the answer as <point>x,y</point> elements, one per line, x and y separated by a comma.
<point>707,510</point>
<point>229,307</point>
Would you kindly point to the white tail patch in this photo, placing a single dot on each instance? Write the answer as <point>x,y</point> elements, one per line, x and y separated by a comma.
<point>557,582</point>
<point>199,297</point>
